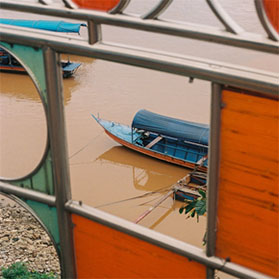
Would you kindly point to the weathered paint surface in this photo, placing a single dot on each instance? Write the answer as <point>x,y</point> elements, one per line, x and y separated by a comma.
<point>102,252</point>
<point>247,226</point>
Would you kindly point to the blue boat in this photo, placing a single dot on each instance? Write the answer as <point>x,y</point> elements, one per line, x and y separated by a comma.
<point>8,63</point>
<point>49,25</point>
<point>169,139</point>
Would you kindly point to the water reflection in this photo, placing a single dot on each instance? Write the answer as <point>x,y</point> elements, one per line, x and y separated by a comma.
<point>22,118</point>
<point>21,87</point>
<point>102,172</point>
<point>144,176</point>
<point>24,90</point>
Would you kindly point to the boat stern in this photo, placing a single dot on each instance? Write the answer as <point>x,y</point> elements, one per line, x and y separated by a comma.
<point>69,68</point>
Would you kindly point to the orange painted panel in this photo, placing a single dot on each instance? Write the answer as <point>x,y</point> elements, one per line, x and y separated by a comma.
<point>272,12</point>
<point>103,5</point>
<point>249,185</point>
<point>103,252</point>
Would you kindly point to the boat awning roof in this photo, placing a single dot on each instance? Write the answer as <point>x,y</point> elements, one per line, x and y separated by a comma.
<point>50,25</point>
<point>163,125</point>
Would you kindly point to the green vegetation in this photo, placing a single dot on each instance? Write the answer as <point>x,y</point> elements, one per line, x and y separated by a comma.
<point>195,208</point>
<point>20,271</point>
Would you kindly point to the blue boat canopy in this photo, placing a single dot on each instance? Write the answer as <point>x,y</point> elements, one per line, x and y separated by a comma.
<point>163,125</point>
<point>50,25</point>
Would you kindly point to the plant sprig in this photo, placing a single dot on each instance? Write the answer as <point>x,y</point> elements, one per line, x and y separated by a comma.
<point>196,207</point>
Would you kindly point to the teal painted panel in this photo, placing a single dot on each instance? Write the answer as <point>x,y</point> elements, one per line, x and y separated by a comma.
<point>48,216</point>
<point>42,179</point>
<point>33,61</point>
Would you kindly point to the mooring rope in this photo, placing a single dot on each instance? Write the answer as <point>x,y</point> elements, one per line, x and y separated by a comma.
<point>77,152</point>
<point>136,197</point>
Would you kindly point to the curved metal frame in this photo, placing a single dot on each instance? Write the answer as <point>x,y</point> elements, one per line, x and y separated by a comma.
<point>120,7</point>
<point>45,2</point>
<point>33,213</point>
<point>157,10</point>
<point>70,4</point>
<point>168,62</point>
<point>197,32</point>
<point>271,32</point>
<point>224,18</point>
<point>230,25</point>
<point>46,150</point>
<point>163,61</point>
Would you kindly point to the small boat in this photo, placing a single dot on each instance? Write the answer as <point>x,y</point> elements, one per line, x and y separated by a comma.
<point>9,63</point>
<point>172,140</point>
<point>182,195</point>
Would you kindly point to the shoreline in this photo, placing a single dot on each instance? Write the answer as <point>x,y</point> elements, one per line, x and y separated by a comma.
<point>22,239</point>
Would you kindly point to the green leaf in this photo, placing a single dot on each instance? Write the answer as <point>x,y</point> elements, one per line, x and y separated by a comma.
<point>202,193</point>
<point>181,209</point>
<point>190,206</point>
<point>200,207</point>
<point>204,240</point>
<point>193,213</point>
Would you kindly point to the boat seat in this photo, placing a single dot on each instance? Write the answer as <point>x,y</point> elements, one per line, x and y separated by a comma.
<point>201,161</point>
<point>153,142</point>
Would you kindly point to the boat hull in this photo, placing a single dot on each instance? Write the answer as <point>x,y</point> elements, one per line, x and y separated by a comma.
<point>9,64</point>
<point>68,70</point>
<point>12,69</point>
<point>155,154</point>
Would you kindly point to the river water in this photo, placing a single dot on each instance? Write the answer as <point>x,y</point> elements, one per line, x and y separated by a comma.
<point>104,174</point>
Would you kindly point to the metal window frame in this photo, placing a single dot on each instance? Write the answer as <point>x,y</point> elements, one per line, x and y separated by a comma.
<point>219,74</point>
<point>192,31</point>
<point>157,10</point>
<point>58,145</point>
<point>161,240</point>
<point>213,170</point>
<point>204,69</point>
<point>271,32</point>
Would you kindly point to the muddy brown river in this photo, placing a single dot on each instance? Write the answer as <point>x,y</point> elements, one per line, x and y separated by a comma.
<point>104,174</point>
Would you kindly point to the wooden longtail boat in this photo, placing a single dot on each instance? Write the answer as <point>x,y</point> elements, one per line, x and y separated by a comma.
<point>8,63</point>
<point>173,140</point>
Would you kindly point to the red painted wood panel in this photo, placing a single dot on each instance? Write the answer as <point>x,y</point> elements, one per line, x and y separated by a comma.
<point>272,12</point>
<point>102,252</point>
<point>103,5</point>
<point>249,186</point>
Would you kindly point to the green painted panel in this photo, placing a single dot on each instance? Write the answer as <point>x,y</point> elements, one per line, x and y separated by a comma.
<point>48,215</point>
<point>42,179</point>
<point>33,61</point>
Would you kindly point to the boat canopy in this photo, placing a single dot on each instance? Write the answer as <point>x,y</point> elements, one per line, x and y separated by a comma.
<point>50,25</point>
<point>163,125</point>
